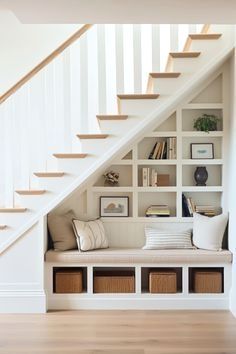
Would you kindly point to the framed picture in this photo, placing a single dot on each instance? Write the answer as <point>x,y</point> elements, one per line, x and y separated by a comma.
<point>114,206</point>
<point>202,151</point>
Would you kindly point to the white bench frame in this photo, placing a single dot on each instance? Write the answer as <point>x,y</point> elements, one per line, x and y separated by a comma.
<point>138,300</point>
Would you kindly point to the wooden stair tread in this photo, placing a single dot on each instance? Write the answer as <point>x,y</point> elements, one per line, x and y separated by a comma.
<point>3,227</point>
<point>13,210</point>
<point>92,136</point>
<point>31,192</point>
<point>49,174</point>
<point>164,75</point>
<point>70,156</point>
<point>205,36</point>
<point>185,54</point>
<point>112,117</point>
<point>143,96</point>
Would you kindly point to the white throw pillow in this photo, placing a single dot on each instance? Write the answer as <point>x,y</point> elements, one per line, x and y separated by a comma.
<point>167,239</point>
<point>208,232</point>
<point>90,235</point>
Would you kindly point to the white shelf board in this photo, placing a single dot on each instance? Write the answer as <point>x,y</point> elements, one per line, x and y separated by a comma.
<point>160,134</point>
<point>171,219</point>
<point>157,162</point>
<point>157,189</point>
<point>198,134</point>
<point>202,189</point>
<point>123,162</point>
<point>112,189</point>
<point>203,106</point>
<point>202,162</point>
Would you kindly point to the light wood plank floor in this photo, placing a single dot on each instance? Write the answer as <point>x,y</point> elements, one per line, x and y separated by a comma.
<point>119,332</point>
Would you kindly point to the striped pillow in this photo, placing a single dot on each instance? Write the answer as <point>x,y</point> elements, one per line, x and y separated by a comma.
<point>157,239</point>
<point>90,235</point>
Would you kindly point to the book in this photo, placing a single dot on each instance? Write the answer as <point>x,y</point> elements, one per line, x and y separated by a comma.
<point>185,208</point>
<point>151,155</point>
<point>156,150</point>
<point>144,177</point>
<point>153,178</point>
<point>158,211</point>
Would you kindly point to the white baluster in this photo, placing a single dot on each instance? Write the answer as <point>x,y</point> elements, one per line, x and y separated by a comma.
<point>119,59</point>
<point>101,64</point>
<point>137,59</point>
<point>156,51</point>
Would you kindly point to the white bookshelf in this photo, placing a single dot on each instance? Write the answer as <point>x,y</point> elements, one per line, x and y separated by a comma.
<point>181,170</point>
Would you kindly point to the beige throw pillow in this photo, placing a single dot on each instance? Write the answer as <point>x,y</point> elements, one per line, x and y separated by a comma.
<point>61,231</point>
<point>90,235</point>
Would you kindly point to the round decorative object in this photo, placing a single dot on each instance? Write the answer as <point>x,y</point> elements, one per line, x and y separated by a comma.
<point>201,176</point>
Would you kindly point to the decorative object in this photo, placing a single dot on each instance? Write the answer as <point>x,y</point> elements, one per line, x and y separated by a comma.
<point>206,123</point>
<point>61,231</point>
<point>208,232</point>
<point>163,180</point>
<point>90,235</point>
<point>201,176</point>
<point>202,151</point>
<point>157,239</point>
<point>111,178</point>
<point>114,206</point>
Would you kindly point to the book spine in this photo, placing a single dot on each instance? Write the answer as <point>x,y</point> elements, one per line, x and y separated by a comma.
<point>153,181</point>
<point>144,177</point>
<point>152,152</point>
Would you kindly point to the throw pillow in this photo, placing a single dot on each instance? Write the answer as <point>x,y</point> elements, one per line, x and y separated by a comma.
<point>90,235</point>
<point>208,232</point>
<point>61,231</point>
<point>167,239</point>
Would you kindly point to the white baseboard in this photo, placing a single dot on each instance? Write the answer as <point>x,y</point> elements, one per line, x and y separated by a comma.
<point>22,302</point>
<point>137,304</point>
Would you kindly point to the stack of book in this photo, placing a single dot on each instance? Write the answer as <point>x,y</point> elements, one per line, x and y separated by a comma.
<point>165,149</point>
<point>189,208</point>
<point>155,211</point>
<point>207,210</point>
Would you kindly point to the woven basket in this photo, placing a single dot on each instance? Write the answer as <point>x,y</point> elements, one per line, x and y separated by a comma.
<point>68,281</point>
<point>205,281</point>
<point>162,281</point>
<point>114,282</point>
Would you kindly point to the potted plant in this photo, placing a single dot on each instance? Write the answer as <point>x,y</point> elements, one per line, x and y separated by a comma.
<point>206,123</point>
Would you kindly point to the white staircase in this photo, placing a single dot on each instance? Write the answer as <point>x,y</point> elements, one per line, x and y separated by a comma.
<point>50,145</point>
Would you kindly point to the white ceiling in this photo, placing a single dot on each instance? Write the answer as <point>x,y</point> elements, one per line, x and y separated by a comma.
<point>122,11</point>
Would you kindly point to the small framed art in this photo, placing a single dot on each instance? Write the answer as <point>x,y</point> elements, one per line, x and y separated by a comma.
<point>202,151</point>
<point>114,206</point>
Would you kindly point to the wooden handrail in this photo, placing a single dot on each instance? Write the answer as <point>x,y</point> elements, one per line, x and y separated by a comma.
<point>45,62</point>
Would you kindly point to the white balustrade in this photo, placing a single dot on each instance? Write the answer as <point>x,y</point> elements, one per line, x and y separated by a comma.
<point>44,116</point>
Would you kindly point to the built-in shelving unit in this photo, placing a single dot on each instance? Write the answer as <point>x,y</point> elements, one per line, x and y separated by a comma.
<point>181,170</point>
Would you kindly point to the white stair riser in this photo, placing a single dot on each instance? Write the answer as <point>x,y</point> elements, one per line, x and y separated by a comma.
<point>118,127</point>
<point>205,45</point>
<point>168,86</point>
<point>139,107</point>
<point>55,184</point>
<point>75,166</point>
<point>96,147</point>
<point>34,202</point>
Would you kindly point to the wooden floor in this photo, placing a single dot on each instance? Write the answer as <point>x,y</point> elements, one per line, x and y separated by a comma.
<point>119,332</point>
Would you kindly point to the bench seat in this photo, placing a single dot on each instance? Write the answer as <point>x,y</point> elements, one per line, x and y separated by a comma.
<point>132,256</point>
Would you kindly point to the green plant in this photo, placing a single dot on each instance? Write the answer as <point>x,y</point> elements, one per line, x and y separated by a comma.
<point>206,123</point>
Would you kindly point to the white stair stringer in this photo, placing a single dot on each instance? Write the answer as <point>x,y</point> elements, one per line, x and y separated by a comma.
<point>145,116</point>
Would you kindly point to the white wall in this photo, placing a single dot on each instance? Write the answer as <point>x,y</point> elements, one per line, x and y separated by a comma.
<point>24,46</point>
<point>22,273</point>
<point>232,181</point>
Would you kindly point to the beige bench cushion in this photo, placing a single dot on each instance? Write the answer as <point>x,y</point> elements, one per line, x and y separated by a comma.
<point>126,255</point>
